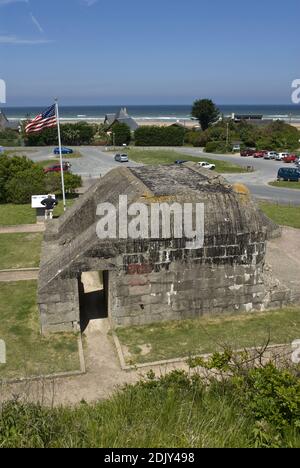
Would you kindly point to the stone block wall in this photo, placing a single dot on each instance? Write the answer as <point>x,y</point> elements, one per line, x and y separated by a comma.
<point>175,283</point>
<point>59,306</point>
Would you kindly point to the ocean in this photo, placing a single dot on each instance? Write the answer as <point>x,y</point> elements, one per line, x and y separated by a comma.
<point>163,113</point>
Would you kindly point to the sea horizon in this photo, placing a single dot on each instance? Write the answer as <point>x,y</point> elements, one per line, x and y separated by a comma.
<point>161,112</point>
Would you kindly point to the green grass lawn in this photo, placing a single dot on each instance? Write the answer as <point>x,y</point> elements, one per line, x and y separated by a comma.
<point>169,156</point>
<point>282,184</point>
<point>28,353</point>
<point>11,215</point>
<point>20,250</point>
<point>178,339</point>
<point>14,215</point>
<point>284,215</point>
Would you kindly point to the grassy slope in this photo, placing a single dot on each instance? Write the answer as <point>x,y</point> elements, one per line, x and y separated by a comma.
<point>20,250</point>
<point>28,353</point>
<point>205,335</point>
<point>174,412</point>
<point>282,214</point>
<point>168,157</point>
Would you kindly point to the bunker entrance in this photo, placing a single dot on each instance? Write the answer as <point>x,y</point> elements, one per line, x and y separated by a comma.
<point>93,297</point>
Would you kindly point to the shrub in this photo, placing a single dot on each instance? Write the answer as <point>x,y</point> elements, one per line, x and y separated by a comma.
<point>72,182</point>
<point>216,147</point>
<point>10,168</point>
<point>159,136</point>
<point>196,138</point>
<point>53,182</point>
<point>121,134</point>
<point>29,182</point>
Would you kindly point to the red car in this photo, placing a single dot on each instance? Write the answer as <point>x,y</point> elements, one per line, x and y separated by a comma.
<point>290,159</point>
<point>56,168</point>
<point>247,152</point>
<point>259,154</point>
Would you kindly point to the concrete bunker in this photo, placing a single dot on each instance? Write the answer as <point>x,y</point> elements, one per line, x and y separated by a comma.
<point>151,280</point>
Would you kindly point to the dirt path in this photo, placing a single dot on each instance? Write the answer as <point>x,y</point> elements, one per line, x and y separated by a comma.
<point>18,275</point>
<point>22,228</point>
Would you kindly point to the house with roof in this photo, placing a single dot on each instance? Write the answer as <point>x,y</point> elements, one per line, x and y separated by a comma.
<point>121,117</point>
<point>6,124</point>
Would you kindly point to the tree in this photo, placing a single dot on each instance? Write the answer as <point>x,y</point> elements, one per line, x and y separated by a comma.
<point>206,112</point>
<point>121,134</point>
<point>23,185</point>
<point>9,168</point>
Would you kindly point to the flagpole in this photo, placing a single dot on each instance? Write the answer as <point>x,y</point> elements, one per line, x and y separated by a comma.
<point>60,155</point>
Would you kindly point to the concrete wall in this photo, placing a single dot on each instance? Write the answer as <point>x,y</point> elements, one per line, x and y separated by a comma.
<point>178,284</point>
<point>59,307</point>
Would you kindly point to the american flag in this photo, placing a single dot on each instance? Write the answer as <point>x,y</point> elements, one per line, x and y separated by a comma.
<point>45,120</point>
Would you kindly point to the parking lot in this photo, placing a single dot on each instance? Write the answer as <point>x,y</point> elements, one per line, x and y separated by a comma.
<point>96,162</point>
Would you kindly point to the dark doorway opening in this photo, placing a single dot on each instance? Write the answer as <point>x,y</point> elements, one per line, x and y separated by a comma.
<point>93,297</point>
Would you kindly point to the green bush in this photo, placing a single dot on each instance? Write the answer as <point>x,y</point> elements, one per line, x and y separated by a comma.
<point>9,168</point>
<point>196,139</point>
<point>20,178</point>
<point>23,185</point>
<point>53,182</point>
<point>121,134</point>
<point>216,147</point>
<point>268,395</point>
<point>159,136</point>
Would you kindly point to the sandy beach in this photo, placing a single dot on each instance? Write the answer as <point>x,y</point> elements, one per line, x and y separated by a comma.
<point>141,122</point>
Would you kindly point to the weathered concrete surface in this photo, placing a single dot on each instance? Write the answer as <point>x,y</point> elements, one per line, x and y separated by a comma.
<point>159,279</point>
<point>283,257</point>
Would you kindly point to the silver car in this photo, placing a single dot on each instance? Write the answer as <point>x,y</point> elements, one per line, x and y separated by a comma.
<point>271,155</point>
<point>122,158</point>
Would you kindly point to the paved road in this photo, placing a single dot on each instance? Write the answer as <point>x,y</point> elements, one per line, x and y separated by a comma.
<point>257,181</point>
<point>97,162</point>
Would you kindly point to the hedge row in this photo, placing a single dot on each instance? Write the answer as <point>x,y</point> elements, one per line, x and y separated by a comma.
<point>159,136</point>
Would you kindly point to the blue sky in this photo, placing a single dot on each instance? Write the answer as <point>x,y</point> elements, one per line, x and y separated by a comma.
<point>149,52</point>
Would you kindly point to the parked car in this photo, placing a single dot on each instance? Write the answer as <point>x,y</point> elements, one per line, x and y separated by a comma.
<point>259,154</point>
<point>281,156</point>
<point>122,158</point>
<point>291,158</point>
<point>207,165</point>
<point>180,161</point>
<point>247,152</point>
<point>64,150</point>
<point>57,168</point>
<point>271,155</point>
<point>236,148</point>
<point>289,174</point>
